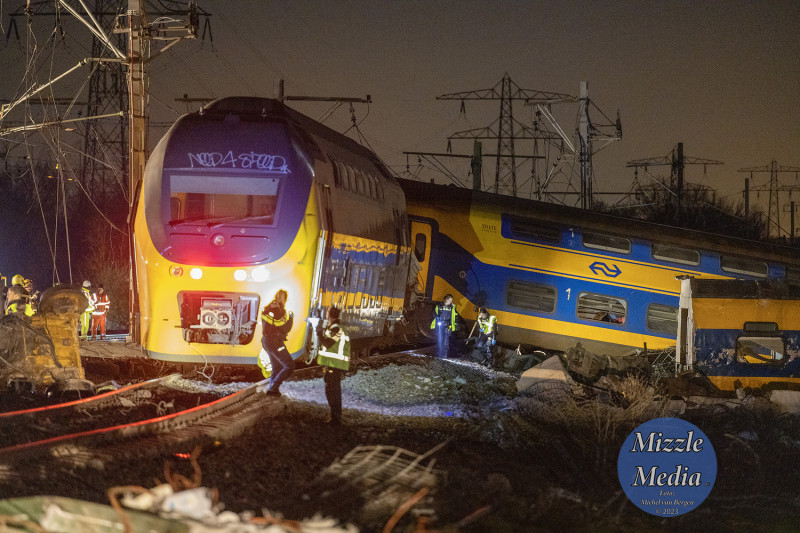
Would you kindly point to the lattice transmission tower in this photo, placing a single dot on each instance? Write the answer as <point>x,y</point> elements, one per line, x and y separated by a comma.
<point>505,130</point>
<point>104,166</point>
<point>773,211</point>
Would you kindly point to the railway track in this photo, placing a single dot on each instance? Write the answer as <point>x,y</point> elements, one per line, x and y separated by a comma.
<point>205,425</point>
<point>178,432</point>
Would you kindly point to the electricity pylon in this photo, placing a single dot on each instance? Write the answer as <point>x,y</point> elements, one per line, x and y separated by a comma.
<point>773,211</point>
<point>678,162</point>
<point>505,129</point>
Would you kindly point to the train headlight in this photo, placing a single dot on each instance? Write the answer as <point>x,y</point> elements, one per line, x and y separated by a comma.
<point>176,271</point>
<point>218,239</point>
<point>240,275</point>
<point>260,274</point>
<point>196,273</point>
<point>223,319</point>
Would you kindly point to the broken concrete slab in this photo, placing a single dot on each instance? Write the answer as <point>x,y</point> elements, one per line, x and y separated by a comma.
<point>787,401</point>
<point>550,369</point>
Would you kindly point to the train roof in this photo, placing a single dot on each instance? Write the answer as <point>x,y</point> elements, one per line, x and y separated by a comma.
<point>258,108</point>
<point>450,195</point>
<point>744,289</point>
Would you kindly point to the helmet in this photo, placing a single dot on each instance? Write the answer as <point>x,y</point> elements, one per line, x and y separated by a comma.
<point>18,280</point>
<point>87,283</point>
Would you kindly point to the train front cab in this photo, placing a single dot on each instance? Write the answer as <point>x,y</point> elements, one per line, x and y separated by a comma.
<point>741,333</point>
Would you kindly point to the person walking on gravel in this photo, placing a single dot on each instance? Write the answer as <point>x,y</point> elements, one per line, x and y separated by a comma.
<point>276,323</point>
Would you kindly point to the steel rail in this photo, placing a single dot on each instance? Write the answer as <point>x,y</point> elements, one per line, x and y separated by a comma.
<point>88,442</point>
<point>99,401</point>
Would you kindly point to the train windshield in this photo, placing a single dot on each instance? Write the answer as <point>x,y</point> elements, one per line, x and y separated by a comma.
<point>217,200</point>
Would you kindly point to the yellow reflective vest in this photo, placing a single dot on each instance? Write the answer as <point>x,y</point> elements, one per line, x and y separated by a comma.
<point>444,314</point>
<point>334,348</point>
<point>89,300</point>
<point>16,304</point>
<point>487,326</point>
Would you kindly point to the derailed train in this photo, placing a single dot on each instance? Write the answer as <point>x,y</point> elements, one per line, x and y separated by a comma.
<point>249,196</point>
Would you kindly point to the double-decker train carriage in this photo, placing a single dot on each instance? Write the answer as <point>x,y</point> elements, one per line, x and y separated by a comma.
<point>742,333</point>
<point>247,197</point>
<point>555,275</point>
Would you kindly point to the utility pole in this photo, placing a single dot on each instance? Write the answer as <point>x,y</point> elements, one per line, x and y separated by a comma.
<point>677,161</point>
<point>140,35</point>
<point>506,130</point>
<point>773,211</point>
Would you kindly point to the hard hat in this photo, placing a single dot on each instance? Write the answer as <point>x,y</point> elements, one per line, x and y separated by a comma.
<point>87,283</point>
<point>17,280</point>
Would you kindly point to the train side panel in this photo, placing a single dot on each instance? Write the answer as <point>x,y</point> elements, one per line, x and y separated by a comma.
<point>555,277</point>
<point>746,334</point>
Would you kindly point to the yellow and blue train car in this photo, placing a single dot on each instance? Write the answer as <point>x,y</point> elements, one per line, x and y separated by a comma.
<point>744,333</point>
<point>555,275</point>
<point>247,197</point>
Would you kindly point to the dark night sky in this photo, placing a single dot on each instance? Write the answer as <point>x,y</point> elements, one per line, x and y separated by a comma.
<point>723,78</point>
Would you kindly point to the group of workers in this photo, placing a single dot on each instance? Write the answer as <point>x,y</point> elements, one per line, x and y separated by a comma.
<point>20,300</point>
<point>333,354</point>
<point>445,323</point>
<point>93,318</point>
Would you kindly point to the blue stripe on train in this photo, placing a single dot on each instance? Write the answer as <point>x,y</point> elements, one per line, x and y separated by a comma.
<point>485,285</point>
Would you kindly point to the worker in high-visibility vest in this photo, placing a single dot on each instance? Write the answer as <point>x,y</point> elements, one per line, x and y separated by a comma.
<point>444,322</point>
<point>86,316</point>
<point>101,303</point>
<point>18,299</point>
<point>487,332</point>
<point>334,358</point>
<point>276,322</point>
<point>18,303</point>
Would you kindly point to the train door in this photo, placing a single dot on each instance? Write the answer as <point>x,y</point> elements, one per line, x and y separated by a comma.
<point>421,256</point>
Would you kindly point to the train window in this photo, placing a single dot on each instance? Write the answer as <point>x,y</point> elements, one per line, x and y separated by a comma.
<point>530,229</point>
<point>420,244</point>
<point>760,327</point>
<point>602,308</point>
<point>674,254</point>
<point>662,318</point>
<point>362,183</point>
<point>601,241</point>
<point>793,275</point>
<point>227,199</point>
<point>531,296</point>
<point>337,173</point>
<point>760,350</point>
<point>174,208</point>
<point>737,265</point>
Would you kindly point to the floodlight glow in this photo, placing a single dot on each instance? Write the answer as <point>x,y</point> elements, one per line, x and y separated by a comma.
<point>260,274</point>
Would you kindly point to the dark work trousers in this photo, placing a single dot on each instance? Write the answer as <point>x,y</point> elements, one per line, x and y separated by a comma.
<point>333,392</point>
<point>484,345</point>
<point>443,337</point>
<point>282,364</point>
